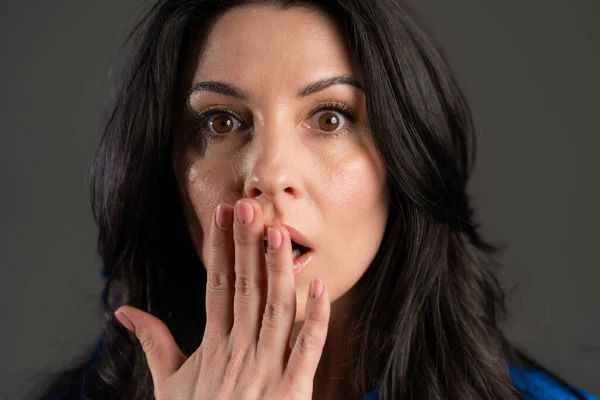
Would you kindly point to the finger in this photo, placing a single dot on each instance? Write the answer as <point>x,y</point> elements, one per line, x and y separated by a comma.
<point>280,308</point>
<point>248,235</point>
<point>308,348</point>
<point>163,355</point>
<point>220,275</point>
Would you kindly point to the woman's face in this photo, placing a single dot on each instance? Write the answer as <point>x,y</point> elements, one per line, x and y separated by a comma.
<point>292,134</point>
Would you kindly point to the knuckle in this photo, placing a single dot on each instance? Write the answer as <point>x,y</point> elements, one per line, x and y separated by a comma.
<point>307,342</point>
<point>275,310</point>
<point>148,344</point>
<point>244,286</point>
<point>217,280</point>
<point>236,357</point>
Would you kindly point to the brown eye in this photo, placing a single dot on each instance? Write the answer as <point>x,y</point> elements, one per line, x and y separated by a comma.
<point>222,123</point>
<point>329,121</point>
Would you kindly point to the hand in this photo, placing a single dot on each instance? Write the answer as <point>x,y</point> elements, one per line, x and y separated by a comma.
<point>245,351</point>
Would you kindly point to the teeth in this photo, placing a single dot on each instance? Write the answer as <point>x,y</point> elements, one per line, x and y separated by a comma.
<point>296,253</point>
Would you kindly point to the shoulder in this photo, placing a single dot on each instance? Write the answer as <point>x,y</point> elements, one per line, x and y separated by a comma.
<point>533,384</point>
<point>537,385</point>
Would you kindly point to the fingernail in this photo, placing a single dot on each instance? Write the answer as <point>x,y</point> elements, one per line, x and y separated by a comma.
<point>274,238</point>
<point>126,322</point>
<point>244,212</point>
<point>316,288</point>
<point>224,217</point>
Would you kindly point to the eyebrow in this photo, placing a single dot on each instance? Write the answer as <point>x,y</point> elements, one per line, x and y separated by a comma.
<point>217,87</point>
<point>327,82</point>
<point>230,90</point>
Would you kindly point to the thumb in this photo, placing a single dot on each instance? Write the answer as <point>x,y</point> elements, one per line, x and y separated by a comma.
<point>163,355</point>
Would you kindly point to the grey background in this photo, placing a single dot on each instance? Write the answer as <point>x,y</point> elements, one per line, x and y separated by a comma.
<point>529,69</point>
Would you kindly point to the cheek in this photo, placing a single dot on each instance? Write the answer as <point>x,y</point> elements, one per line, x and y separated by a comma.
<point>356,209</point>
<point>356,193</point>
<point>205,189</point>
<point>203,192</point>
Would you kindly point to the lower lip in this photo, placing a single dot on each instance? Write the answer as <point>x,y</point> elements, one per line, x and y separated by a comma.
<point>300,262</point>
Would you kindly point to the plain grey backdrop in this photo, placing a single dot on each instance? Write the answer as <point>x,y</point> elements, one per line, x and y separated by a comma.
<point>530,70</point>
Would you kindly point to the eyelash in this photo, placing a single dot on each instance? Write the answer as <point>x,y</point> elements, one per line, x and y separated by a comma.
<point>328,106</point>
<point>341,108</point>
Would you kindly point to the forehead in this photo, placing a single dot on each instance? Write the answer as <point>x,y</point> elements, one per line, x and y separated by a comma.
<point>260,44</point>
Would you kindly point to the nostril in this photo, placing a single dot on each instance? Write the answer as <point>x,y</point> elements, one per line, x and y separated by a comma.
<point>254,193</point>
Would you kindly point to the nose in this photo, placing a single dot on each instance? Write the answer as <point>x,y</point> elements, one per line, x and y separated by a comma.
<point>273,165</point>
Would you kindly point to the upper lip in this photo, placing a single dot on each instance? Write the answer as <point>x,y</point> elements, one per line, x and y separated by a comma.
<point>295,235</point>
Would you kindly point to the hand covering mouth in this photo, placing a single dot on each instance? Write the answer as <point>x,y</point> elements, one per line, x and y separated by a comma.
<point>297,249</point>
<point>301,245</point>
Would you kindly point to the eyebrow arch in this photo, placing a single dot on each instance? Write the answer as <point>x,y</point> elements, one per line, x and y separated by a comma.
<point>227,89</point>
<point>223,88</point>
<point>327,82</point>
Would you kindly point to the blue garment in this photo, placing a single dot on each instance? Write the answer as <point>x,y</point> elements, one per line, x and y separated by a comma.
<point>370,396</point>
<point>535,385</point>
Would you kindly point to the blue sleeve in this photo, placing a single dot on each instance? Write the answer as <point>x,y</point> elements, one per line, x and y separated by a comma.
<point>536,385</point>
<point>370,396</point>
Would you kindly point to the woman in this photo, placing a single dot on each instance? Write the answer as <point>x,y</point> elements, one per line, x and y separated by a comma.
<point>254,145</point>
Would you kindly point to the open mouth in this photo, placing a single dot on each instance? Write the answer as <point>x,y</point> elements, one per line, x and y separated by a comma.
<point>297,250</point>
<point>302,254</point>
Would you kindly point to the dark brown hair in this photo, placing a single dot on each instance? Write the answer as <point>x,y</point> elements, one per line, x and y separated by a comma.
<point>428,307</point>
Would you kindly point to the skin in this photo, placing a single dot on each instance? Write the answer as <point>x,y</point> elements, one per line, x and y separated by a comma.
<point>329,184</point>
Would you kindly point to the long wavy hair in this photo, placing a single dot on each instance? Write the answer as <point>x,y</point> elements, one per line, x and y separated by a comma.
<point>427,309</point>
